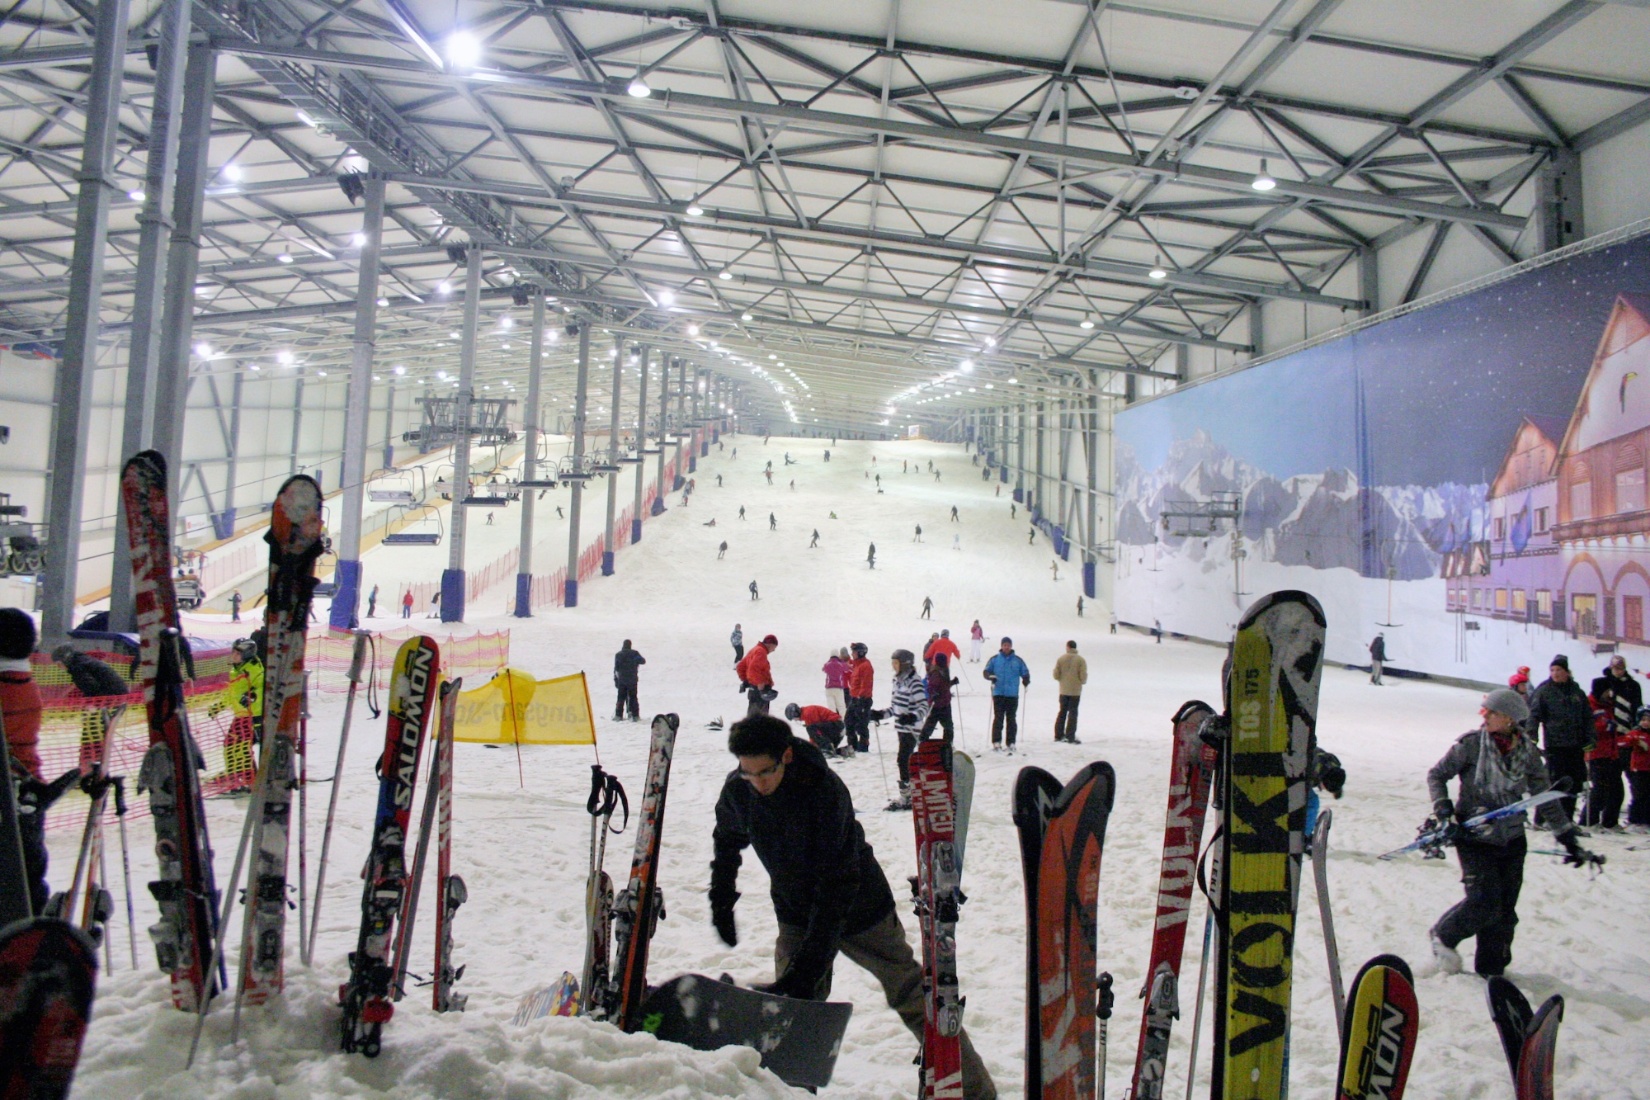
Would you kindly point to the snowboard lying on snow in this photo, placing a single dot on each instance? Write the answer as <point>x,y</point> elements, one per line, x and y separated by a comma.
<point>798,1040</point>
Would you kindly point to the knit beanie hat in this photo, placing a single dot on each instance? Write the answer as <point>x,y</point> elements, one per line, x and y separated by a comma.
<point>1509,702</point>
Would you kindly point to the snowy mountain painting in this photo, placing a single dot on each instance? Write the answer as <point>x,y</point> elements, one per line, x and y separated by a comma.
<point>1467,479</point>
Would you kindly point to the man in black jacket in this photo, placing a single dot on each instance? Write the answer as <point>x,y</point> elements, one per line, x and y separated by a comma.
<point>95,680</point>
<point>1561,709</point>
<point>828,891</point>
<point>625,664</point>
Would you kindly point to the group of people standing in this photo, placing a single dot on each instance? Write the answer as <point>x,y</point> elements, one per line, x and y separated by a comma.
<point>1599,740</point>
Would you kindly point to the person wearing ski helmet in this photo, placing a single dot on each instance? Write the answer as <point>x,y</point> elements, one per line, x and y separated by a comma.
<point>829,893</point>
<point>244,696</point>
<point>824,727</point>
<point>908,706</point>
<point>861,678</point>
<point>1496,766</point>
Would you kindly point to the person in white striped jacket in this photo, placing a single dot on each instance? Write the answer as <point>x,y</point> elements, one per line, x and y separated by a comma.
<point>908,707</point>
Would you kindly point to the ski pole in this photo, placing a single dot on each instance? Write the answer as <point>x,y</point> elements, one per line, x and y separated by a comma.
<point>877,729</point>
<point>1197,1012</point>
<point>1103,1005</point>
<point>303,822</point>
<point>357,656</point>
<point>119,782</point>
<point>1320,853</point>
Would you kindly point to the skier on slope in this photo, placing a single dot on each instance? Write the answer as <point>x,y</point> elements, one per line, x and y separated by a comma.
<point>824,727</point>
<point>243,695</point>
<point>835,669</point>
<point>857,718</point>
<point>976,635</point>
<point>942,644</point>
<point>756,677</point>
<point>939,683</point>
<point>737,640</point>
<point>626,664</point>
<point>908,706</point>
<point>1496,765</point>
<point>829,893</point>
<point>1007,674</point>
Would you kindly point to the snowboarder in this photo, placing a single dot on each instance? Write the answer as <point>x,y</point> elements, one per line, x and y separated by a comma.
<point>824,727</point>
<point>861,679</point>
<point>490,515</point>
<point>1564,715</point>
<point>756,676</point>
<point>1071,672</point>
<point>626,662</point>
<point>1496,765</point>
<point>927,607</point>
<point>1377,657</point>
<point>908,707</point>
<point>722,550</point>
<point>829,893</point>
<point>918,536</point>
<point>754,596</point>
<point>976,637</point>
<point>871,556</point>
<point>814,542</point>
<point>954,518</point>
<point>235,606</point>
<point>1007,675</point>
<point>737,640</point>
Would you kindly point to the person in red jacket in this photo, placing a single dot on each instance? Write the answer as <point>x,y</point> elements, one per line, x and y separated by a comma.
<point>20,703</point>
<point>824,727</point>
<point>756,677</point>
<point>1637,741</point>
<point>942,643</point>
<point>861,676</point>
<point>1605,793</point>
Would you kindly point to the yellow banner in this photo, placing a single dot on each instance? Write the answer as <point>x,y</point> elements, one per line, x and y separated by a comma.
<point>514,709</point>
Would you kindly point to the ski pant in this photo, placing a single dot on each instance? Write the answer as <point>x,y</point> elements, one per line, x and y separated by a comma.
<point>627,701</point>
<point>907,745</point>
<point>758,701</point>
<point>1065,723</point>
<point>939,716</point>
<point>31,829</point>
<point>1568,762</point>
<point>738,653</point>
<point>237,750</point>
<point>974,650</point>
<point>858,723</point>
<point>835,699</point>
<point>1005,710</point>
<point>1604,803</point>
<point>1639,812</point>
<point>1374,670</point>
<point>883,950</point>
<point>826,736</point>
<point>1492,875</point>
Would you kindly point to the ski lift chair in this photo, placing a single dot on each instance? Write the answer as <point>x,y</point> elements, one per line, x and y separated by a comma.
<point>424,528</point>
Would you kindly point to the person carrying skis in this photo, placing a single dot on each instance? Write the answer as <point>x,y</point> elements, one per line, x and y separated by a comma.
<point>835,669</point>
<point>1565,717</point>
<point>1071,672</point>
<point>976,637</point>
<point>829,894</point>
<point>1007,674</point>
<point>243,695</point>
<point>626,662</point>
<point>756,677</point>
<point>95,680</point>
<point>857,718</point>
<point>737,640</point>
<point>908,706</point>
<point>939,683</point>
<point>824,727</point>
<point>1496,766</point>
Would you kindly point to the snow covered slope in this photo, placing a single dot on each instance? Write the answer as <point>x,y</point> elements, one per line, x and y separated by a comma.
<point>523,849</point>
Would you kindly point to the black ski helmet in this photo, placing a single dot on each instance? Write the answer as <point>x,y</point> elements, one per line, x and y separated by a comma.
<point>906,658</point>
<point>792,711</point>
<point>860,649</point>
<point>245,649</point>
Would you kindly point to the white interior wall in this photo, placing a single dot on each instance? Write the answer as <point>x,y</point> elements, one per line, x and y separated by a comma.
<point>1613,175</point>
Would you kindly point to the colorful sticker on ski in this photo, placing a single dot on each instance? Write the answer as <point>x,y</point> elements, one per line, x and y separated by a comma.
<point>1378,1032</point>
<point>938,897</point>
<point>1272,696</point>
<point>637,909</point>
<point>1535,1063</point>
<point>452,890</point>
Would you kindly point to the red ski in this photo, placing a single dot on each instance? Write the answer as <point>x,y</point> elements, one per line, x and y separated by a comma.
<point>938,890</point>
<point>1190,769</point>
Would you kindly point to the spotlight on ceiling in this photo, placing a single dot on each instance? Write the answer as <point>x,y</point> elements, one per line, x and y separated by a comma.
<point>1088,322</point>
<point>1158,271</point>
<point>1263,180</point>
<point>694,210</point>
<point>463,50</point>
<point>638,87</point>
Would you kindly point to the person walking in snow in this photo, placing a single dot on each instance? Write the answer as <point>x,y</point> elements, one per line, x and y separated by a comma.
<point>773,522</point>
<point>737,640</point>
<point>907,706</point>
<point>1114,622</point>
<point>1079,607</point>
<point>1071,672</point>
<point>954,518</point>
<point>1032,539</point>
<point>829,894</point>
<point>936,477</point>
<point>1007,674</point>
<point>718,481</point>
<point>871,556</point>
<point>754,596</point>
<point>861,680</point>
<point>406,604</point>
<point>976,637</point>
<point>1496,766</point>
<point>756,676</point>
<point>1377,658</point>
<point>372,602</point>
<point>1157,630</point>
<point>814,542</point>
<point>835,669</point>
<point>918,536</point>
<point>626,662</point>
<point>235,606</point>
<point>722,550</point>
<point>1564,715</point>
<point>927,607</point>
<point>1054,567</point>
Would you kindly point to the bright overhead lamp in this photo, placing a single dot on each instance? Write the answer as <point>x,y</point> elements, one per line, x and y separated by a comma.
<point>230,172</point>
<point>463,50</point>
<point>1158,271</point>
<point>966,365</point>
<point>285,257</point>
<point>693,330</point>
<point>667,297</point>
<point>638,87</point>
<point>400,370</point>
<point>383,302</point>
<point>136,194</point>
<point>1088,322</point>
<point>747,316</point>
<point>204,350</point>
<point>1263,180</point>
<point>725,274</point>
<point>444,287</point>
<point>694,210</point>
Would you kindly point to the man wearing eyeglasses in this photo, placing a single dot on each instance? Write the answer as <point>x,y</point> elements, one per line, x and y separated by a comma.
<point>829,894</point>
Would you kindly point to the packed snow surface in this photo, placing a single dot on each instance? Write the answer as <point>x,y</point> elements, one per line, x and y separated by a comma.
<point>523,845</point>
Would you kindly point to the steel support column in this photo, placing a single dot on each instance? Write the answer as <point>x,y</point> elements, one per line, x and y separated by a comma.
<point>683,428</point>
<point>1558,201</point>
<point>297,423</point>
<point>529,458</point>
<point>610,535</point>
<point>664,419</point>
<point>389,424</point>
<point>73,390</point>
<point>453,585</point>
<point>223,524</point>
<point>1035,504</point>
<point>580,395</point>
<point>352,479</point>
<point>1091,436</point>
<point>641,448</point>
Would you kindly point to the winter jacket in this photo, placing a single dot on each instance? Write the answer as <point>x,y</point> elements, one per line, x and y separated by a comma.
<point>1563,713</point>
<point>1377,649</point>
<point>836,673</point>
<point>938,683</point>
<point>1072,672</point>
<point>861,675</point>
<point>909,703</point>
<point>20,708</point>
<point>1491,779</point>
<point>753,668</point>
<point>818,716</point>
<point>1604,733</point>
<point>1007,672</point>
<point>94,679</point>
<point>245,690</point>
<point>823,876</point>
<point>625,664</point>
<point>737,638</point>
<point>942,645</point>
<point>1621,696</point>
<point>976,632</point>
<point>1638,739</point>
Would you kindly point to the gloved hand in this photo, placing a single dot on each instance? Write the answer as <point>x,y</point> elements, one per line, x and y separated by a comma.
<point>743,687</point>
<point>906,719</point>
<point>1577,856</point>
<point>797,981</point>
<point>878,715</point>
<point>954,681</point>
<point>991,677</point>
<point>721,917</point>
<point>1443,810</point>
<point>246,700</point>
<point>1025,681</point>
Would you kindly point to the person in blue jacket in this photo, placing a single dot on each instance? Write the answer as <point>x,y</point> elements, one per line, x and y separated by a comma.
<point>1007,674</point>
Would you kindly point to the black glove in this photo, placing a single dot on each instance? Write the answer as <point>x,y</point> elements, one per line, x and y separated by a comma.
<point>991,677</point>
<point>1443,810</point>
<point>906,719</point>
<point>1577,856</point>
<point>954,681</point>
<point>878,715</point>
<point>246,700</point>
<point>722,918</point>
<point>1334,780</point>
<point>743,687</point>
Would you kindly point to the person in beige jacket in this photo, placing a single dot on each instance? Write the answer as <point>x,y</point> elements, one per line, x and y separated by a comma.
<point>1071,672</point>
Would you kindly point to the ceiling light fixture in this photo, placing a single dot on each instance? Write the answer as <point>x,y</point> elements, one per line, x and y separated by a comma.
<point>694,210</point>
<point>136,194</point>
<point>725,274</point>
<point>1158,271</point>
<point>638,87</point>
<point>1263,180</point>
<point>1088,322</point>
<point>463,50</point>
<point>285,257</point>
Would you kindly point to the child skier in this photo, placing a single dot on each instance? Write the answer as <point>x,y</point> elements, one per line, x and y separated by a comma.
<point>908,706</point>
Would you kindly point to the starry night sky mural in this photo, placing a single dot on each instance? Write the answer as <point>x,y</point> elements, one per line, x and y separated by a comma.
<point>1443,388</point>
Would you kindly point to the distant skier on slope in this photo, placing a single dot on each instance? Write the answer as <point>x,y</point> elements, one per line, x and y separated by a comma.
<point>626,664</point>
